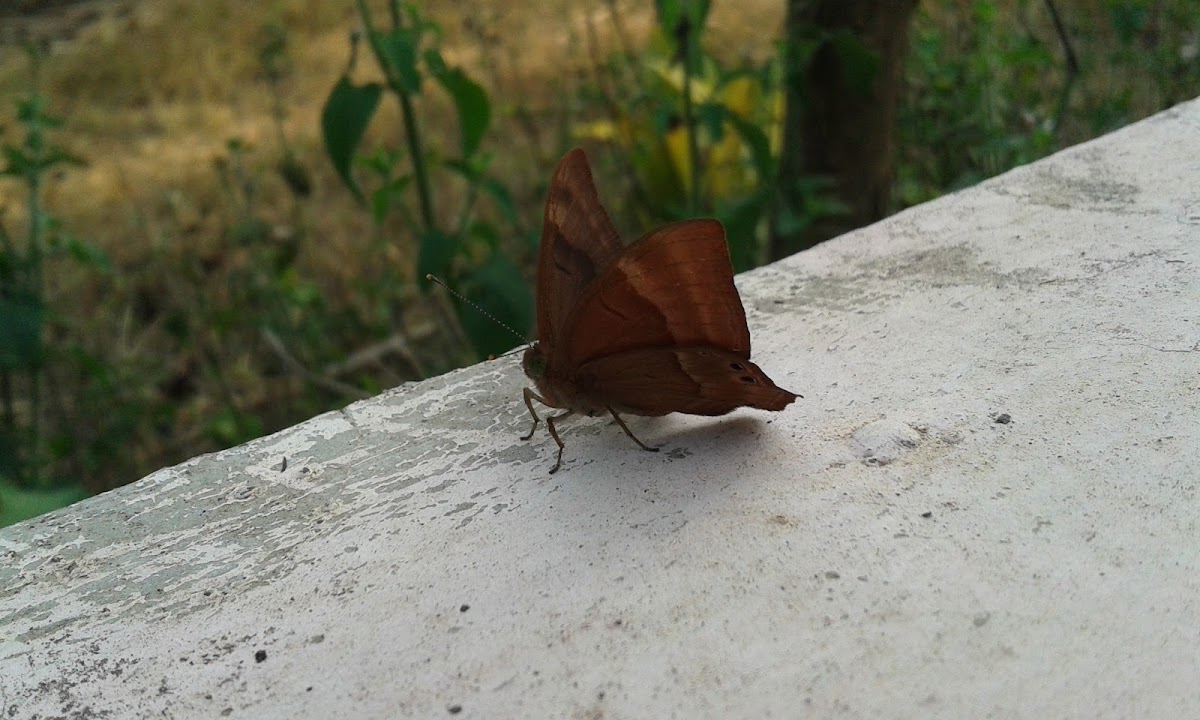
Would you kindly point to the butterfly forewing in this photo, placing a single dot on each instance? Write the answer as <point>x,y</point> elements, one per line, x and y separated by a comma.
<point>672,288</point>
<point>578,243</point>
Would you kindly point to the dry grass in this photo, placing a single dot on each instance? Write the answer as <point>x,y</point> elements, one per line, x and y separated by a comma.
<point>152,92</point>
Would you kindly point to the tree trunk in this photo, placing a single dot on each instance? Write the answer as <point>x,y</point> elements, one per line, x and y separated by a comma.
<point>840,117</point>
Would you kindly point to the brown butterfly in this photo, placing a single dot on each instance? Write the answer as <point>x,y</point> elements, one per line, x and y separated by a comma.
<point>649,329</point>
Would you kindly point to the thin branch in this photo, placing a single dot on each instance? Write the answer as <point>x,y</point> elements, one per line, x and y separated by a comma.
<point>1072,60</point>
<point>334,386</point>
<point>372,357</point>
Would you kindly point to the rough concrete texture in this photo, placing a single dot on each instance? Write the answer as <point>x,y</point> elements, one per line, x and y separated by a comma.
<point>985,506</point>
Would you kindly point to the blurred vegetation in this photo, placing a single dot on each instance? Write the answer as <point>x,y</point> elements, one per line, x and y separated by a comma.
<point>467,251</point>
<point>215,218</point>
<point>697,136</point>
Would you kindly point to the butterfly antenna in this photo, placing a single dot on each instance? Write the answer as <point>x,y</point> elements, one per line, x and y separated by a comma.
<point>493,318</point>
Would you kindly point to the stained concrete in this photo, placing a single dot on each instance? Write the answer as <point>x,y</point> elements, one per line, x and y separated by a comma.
<point>985,506</point>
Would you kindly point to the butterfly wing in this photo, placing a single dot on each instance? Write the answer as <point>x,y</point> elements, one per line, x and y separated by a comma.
<point>672,288</point>
<point>578,243</point>
<point>692,380</point>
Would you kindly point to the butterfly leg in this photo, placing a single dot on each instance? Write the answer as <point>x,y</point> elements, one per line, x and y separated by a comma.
<point>625,427</point>
<point>530,396</point>
<point>554,434</point>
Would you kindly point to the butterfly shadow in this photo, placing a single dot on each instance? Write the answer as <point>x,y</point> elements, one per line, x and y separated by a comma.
<point>612,495</point>
<point>722,450</point>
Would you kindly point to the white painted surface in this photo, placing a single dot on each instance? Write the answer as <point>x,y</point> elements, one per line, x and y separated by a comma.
<point>884,548</point>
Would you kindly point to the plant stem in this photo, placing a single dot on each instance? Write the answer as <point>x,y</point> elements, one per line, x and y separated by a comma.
<point>412,135</point>
<point>418,161</point>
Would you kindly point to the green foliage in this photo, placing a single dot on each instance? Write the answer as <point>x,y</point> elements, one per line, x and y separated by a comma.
<point>989,88</point>
<point>701,138</point>
<point>973,105</point>
<point>18,503</point>
<point>266,305</point>
<point>345,118</point>
<point>28,452</point>
<point>1157,51</point>
<point>470,100</point>
<point>467,252</point>
<point>22,317</point>
<point>73,417</point>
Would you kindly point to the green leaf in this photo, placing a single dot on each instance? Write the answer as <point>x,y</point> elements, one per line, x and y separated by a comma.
<point>484,231</point>
<point>668,13</point>
<point>503,199</point>
<point>344,119</point>
<point>473,173</point>
<point>21,319</point>
<point>741,220</point>
<point>59,156</point>
<point>760,145</point>
<point>16,162</point>
<point>789,223</point>
<point>710,116</point>
<point>680,21</point>
<point>470,100</point>
<point>19,163</point>
<point>32,110</point>
<point>437,252</point>
<point>84,252</point>
<point>398,50</point>
<point>386,196</point>
<point>382,161</point>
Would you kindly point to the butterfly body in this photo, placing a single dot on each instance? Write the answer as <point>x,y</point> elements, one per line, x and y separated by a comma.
<point>650,329</point>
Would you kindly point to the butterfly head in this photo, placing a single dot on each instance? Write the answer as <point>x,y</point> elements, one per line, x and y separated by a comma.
<point>534,363</point>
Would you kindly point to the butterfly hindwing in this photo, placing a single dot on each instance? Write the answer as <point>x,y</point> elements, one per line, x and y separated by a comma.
<point>693,380</point>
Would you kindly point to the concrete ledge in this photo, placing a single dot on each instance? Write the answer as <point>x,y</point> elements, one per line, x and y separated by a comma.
<point>986,506</point>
